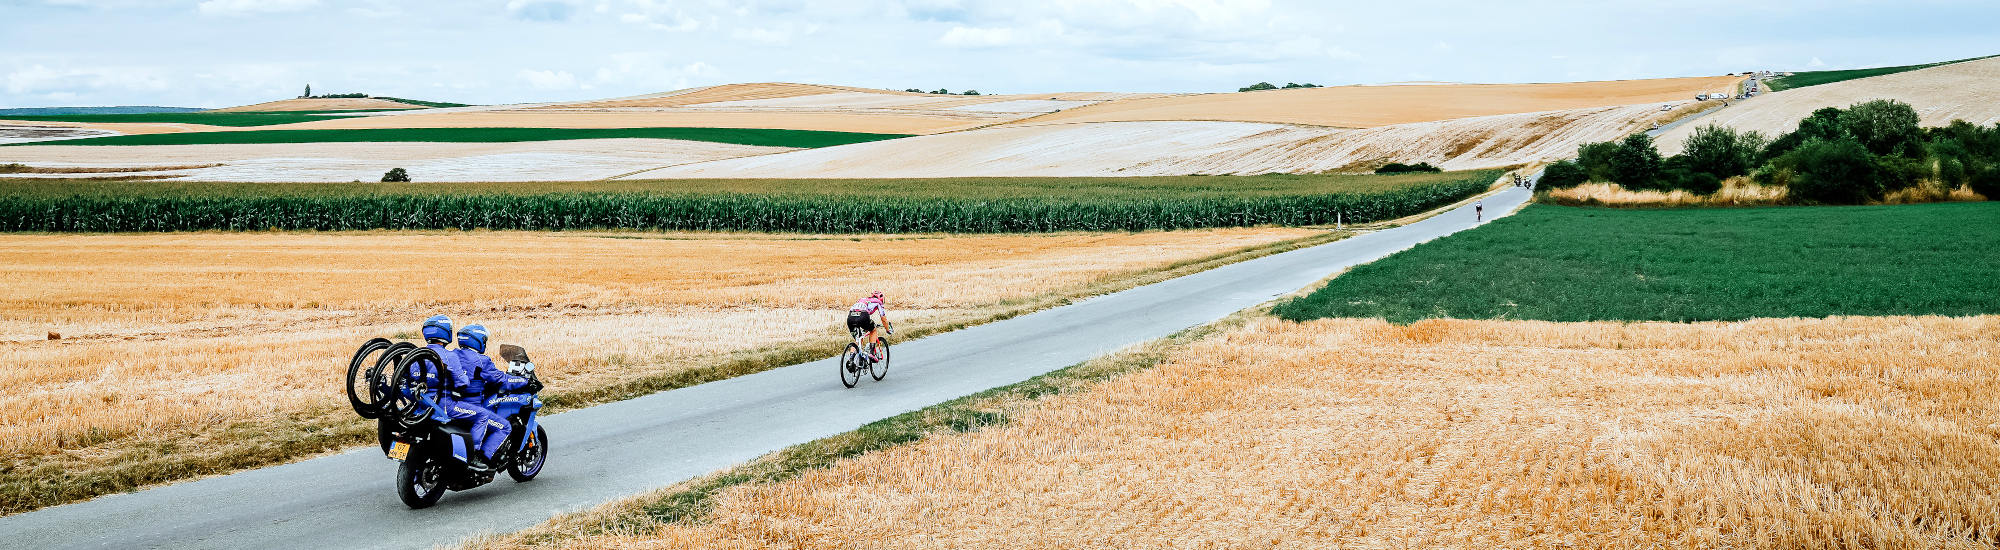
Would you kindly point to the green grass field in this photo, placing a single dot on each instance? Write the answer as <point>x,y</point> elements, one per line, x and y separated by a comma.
<point>238,120</point>
<point>1560,263</point>
<point>963,205</point>
<point>741,136</point>
<point>1815,78</point>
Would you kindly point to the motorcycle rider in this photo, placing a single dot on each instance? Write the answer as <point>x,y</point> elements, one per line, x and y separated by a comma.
<point>474,379</point>
<point>437,337</point>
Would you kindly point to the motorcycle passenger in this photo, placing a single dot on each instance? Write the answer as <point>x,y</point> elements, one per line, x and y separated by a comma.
<point>437,337</point>
<point>864,316</point>
<point>474,379</point>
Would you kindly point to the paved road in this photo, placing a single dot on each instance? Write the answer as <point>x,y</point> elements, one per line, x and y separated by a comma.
<point>609,451</point>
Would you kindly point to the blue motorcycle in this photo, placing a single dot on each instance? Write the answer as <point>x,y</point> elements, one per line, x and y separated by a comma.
<point>411,425</point>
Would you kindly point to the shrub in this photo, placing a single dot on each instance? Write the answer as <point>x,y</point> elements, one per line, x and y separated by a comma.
<point>1885,127</point>
<point>1257,86</point>
<point>13,168</point>
<point>1399,168</point>
<point>1636,164</point>
<point>1898,173</point>
<point>1597,161</point>
<point>1721,152</point>
<point>1699,183</point>
<point>1823,124</point>
<point>1562,175</point>
<point>1986,182</point>
<point>1833,172</point>
<point>1290,85</point>
<point>971,92</point>
<point>396,175</point>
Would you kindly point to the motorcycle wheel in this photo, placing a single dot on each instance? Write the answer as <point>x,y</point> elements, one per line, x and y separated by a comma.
<point>532,457</point>
<point>880,369</point>
<point>850,366</point>
<point>418,483</point>
<point>357,379</point>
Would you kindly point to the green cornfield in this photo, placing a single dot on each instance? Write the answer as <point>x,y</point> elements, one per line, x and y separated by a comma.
<point>849,206</point>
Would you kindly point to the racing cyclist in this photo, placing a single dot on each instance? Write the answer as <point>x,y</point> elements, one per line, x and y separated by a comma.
<point>864,316</point>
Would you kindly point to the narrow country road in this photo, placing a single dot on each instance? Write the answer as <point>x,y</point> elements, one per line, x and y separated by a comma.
<point>609,451</point>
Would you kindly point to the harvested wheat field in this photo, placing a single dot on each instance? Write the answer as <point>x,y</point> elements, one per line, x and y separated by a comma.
<point>194,336</point>
<point>563,160</point>
<point>1775,433</point>
<point>1968,91</point>
<point>1187,147</point>
<point>1372,106</point>
<point>320,104</point>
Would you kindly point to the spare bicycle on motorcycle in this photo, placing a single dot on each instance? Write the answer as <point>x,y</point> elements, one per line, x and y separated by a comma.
<point>404,387</point>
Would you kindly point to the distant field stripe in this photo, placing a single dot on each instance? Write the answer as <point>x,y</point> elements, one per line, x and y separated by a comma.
<point>234,119</point>
<point>740,136</point>
<point>1815,78</point>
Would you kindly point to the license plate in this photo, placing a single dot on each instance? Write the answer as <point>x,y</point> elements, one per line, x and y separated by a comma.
<point>399,450</point>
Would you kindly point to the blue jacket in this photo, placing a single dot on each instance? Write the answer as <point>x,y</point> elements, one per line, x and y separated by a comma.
<point>451,361</point>
<point>475,374</point>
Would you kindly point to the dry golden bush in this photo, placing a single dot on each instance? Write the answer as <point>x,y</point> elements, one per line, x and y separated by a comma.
<point>1774,433</point>
<point>1737,191</point>
<point>168,337</point>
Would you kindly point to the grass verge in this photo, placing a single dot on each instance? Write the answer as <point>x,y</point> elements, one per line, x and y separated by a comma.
<point>1558,263</point>
<point>690,502</point>
<point>740,136</point>
<point>286,437</point>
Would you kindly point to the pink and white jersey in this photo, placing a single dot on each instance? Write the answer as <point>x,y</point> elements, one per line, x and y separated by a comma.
<point>870,305</point>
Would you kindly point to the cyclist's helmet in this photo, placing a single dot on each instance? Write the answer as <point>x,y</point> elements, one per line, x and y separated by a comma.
<point>438,328</point>
<point>876,295</point>
<point>472,337</point>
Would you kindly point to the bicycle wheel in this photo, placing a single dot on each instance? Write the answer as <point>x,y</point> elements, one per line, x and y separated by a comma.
<point>379,375</point>
<point>357,380</point>
<point>418,387</point>
<point>850,366</point>
<point>880,369</point>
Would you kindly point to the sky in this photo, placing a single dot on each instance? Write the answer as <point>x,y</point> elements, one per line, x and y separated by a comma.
<point>215,53</point>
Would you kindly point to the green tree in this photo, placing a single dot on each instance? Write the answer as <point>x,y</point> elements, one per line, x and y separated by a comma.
<point>1636,164</point>
<point>396,175</point>
<point>1885,127</point>
<point>1562,175</point>
<point>1823,124</point>
<point>1595,159</point>
<point>1986,182</point>
<point>1833,172</point>
<point>1721,152</point>
<point>1257,86</point>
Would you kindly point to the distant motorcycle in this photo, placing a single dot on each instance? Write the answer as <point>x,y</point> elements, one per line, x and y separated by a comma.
<point>402,386</point>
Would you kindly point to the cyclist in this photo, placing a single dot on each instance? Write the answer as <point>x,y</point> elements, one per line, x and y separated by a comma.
<point>863,316</point>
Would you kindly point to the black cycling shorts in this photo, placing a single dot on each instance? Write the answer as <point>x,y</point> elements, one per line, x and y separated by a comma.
<point>860,321</point>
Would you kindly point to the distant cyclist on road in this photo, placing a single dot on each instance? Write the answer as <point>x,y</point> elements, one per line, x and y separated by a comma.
<point>864,316</point>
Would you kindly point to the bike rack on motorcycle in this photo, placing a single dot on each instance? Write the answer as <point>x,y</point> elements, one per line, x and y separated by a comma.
<point>411,426</point>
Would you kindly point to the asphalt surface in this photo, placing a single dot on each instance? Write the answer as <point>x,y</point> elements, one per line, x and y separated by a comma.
<point>614,450</point>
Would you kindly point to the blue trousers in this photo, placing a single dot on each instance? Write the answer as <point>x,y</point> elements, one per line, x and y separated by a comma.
<point>489,431</point>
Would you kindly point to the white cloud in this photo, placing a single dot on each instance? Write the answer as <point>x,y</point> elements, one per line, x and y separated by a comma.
<point>654,14</point>
<point>248,7</point>
<point>541,10</point>
<point>548,80</point>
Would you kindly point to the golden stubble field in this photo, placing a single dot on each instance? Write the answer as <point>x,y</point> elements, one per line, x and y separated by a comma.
<point>1779,433</point>
<point>173,336</point>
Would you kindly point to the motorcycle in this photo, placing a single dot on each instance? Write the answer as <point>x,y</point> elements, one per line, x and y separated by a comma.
<point>405,387</point>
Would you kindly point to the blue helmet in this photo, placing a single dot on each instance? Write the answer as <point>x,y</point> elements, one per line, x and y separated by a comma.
<point>438,327</point>
<point>472,337</point>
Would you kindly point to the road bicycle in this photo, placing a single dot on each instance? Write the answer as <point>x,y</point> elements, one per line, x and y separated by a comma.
<point>854,361</point>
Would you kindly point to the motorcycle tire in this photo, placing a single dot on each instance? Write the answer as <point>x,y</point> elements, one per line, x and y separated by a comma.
<point>357,376</point>
<point>533,457</point>
<point>419,482</point>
